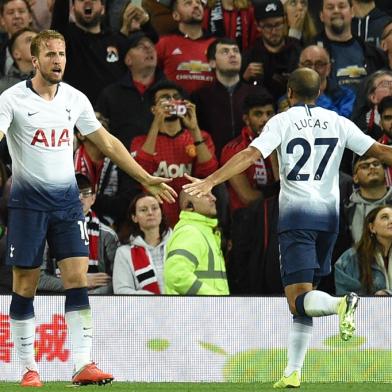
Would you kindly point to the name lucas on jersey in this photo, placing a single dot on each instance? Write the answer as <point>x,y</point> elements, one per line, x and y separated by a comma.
<point>311,123</point>
<point>52,138</point>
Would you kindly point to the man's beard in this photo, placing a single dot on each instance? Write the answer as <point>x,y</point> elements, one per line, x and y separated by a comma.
<point>50,80</point>
<point>95,21</point>
<point>229,73</point>
<point>273,43</point>
<point>337,29</point>
<point>192,21</point>
<point>374,182</point>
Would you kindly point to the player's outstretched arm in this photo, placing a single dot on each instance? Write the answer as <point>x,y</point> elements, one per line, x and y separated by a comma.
<point>382,152</point>
<point>115,150</point>
<point>235,165</point>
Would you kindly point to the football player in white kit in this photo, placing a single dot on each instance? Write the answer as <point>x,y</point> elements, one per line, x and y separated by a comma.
<point>38,117</point>
<point>310,142</point>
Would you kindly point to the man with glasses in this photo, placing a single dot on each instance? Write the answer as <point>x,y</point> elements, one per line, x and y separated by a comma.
<point>374,88</point>
<point>371,191</point>
<point>274,55</point>
<point>340,99</point>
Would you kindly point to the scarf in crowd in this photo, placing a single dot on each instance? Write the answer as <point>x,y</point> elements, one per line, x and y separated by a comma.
<point>144,270</point>
<point>92,223</point>
<point>84,165</point>
<point>233,24</point>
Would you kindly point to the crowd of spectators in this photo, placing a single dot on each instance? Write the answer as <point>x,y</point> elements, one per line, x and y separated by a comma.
<point>184,85</point>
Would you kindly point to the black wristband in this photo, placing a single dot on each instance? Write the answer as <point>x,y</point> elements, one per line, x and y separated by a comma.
<point>199,142</point>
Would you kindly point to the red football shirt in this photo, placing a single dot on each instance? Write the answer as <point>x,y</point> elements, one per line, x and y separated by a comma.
<point>258,174</point>
<point>174,156</point>
<point>184,61</point>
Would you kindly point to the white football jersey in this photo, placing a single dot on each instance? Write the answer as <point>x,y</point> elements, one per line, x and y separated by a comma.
<point>310,142</point>
<point>40,141</point>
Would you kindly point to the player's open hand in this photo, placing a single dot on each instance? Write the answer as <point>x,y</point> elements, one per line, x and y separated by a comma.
<point>160,190</point>
<point>197,187</point>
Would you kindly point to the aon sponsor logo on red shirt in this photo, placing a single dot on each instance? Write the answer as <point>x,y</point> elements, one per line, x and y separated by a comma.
<point>173,170</point>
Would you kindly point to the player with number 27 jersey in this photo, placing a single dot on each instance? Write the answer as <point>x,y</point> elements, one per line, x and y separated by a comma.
<point>310,142</point>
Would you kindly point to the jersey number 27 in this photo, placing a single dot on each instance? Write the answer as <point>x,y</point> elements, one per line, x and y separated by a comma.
<point>294,174</point>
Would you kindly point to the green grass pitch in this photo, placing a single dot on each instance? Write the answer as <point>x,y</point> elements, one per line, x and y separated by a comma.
<point>198,387</point>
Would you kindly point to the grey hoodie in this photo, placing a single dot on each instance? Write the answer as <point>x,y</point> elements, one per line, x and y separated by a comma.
<point>124,278</point>
<point>357,209</point>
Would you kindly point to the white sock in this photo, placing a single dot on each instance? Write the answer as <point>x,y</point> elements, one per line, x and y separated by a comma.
<point>299,338</point>
<point>79,324</point>
<point>23,336</point>
<point>318,303</point>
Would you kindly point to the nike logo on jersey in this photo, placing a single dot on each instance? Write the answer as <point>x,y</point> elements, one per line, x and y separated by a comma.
<point>31,114</point>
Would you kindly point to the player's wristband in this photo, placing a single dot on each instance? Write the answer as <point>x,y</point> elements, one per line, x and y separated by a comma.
<point>197,143</point>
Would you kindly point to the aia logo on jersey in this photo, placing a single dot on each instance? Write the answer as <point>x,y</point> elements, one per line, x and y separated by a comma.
<point>53,138</point>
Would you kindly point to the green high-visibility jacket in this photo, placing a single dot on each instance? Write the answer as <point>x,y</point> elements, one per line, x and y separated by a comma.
<point>194,263</point>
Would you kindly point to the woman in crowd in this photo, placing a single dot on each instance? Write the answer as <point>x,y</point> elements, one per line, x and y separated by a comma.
<point>300,21</point>
<point>367,268</point>
<point>138,265</point>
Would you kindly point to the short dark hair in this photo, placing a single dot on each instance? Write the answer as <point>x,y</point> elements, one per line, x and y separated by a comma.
<point>305,83</point>
<point>16,35</point>
<point>83,182</point>
<point>358,159</point>
<point>166,85</point>
<point>211,51</point>
<point>3,3</point>
<point>385,104</point>
<point>256,100</point>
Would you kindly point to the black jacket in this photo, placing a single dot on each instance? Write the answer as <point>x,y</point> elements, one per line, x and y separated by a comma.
<point>220,113</point>
<point>277,66</point>
<point>93,60</point>
<point>128,111</point>
<point>370,27</point>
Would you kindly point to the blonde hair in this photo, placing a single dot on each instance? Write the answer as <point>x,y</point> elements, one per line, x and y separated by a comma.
<point>43,36</point>
<point>309,30</point>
